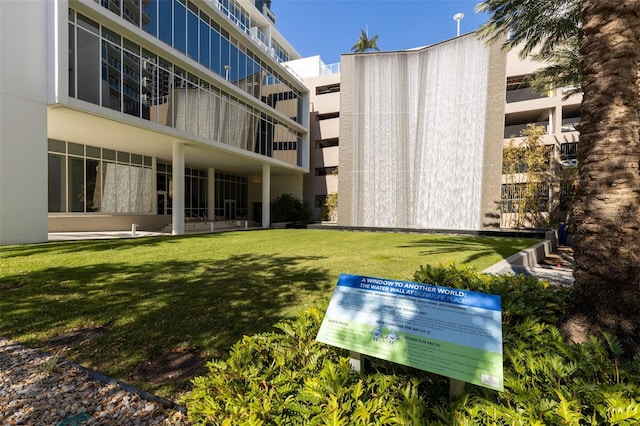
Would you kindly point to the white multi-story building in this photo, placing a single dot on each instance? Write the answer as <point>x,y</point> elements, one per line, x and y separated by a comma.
<point>153,112</point>
<point>323,82</point>
<point>161,112</point>
<point>557,112</point>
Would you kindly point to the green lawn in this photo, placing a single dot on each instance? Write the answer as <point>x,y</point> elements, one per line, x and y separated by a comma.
<point>204,291</point>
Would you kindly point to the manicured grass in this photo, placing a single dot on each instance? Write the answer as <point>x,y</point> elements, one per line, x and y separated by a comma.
<point>204,291</point>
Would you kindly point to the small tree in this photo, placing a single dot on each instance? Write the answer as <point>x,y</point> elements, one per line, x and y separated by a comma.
<point>528,179</point>
<point>330,208</point>
<point>287,208</point>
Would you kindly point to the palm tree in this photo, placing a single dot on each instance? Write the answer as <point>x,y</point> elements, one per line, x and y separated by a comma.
<point>607,206</point>
<point>606,211</point>
<point>365,44</point>
<point>549,31</point>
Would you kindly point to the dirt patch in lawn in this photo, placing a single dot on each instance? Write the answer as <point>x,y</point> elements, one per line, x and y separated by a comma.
<point>77,337</point>
<point>172,366</point>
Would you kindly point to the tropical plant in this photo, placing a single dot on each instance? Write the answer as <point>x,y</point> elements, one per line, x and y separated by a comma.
<point>537,188</point>
<point>287,377</point>
<point>365,44</point>
<point>548,31</point>
<point>330,208</point>
<point>528,179</point>
<point>606,209</point>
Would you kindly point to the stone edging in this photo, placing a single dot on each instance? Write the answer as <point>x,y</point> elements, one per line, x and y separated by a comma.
<point>529,257</point>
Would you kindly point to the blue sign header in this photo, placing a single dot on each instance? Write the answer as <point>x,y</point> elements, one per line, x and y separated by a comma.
<point>422,291</point>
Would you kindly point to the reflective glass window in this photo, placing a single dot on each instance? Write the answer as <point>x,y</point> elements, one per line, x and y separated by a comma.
<point>123,157</point>
<point>76,149</point>
<point>205,50</point>
<point>57,146</point>
<point>180,26</point>
<point>111,70</point>
<point>163,107</point>
<point>93,151</point>
<point>72,60</point>
<point>88,62</point>
<point>114,6</point>
<point>242,69</point>
<point>165,21</point>
<point>224,58</point>
<point>150,17</point>
<point>93,190</point>
<point>88,24</point>
<point>215,52</point>
<point>193,24</point>
<point>149,84</point>
<point>234,71</point>
<point>57,174</point>
<point>131,79</point>
<point>131,11</point>
<point>108,154</point>
<point>76,185</point>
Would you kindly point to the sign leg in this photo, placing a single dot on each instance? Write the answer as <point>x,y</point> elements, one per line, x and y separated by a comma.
<point>357,361</point>
<point>456,388</point>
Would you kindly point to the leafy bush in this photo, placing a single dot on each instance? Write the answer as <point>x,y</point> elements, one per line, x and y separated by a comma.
<point>330,207</point>
<point>286,377</point>
<point>287,208</point>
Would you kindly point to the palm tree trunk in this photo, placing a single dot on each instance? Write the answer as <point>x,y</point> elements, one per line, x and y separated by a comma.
<point>606,210</point>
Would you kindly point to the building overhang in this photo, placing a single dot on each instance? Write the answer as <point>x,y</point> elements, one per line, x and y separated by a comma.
<point>114,130</point>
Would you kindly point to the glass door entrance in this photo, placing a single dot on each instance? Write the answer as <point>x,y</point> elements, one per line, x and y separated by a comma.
<point>230,209</point>
<point>163,207</point>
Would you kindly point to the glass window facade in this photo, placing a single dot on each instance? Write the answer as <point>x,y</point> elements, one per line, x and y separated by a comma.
<point>231,197</point>
<point>231,193</point>
<point>184,26</point>
<point>85,179</point>
<point>114,72</point>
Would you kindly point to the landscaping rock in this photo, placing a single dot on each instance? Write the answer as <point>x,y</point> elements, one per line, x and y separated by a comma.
<point>40,389</point>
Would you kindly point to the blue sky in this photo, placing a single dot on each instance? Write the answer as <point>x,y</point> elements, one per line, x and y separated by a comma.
<point>331,27</point>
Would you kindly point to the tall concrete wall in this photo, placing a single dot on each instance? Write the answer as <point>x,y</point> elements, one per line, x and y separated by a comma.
<point>23,120</point>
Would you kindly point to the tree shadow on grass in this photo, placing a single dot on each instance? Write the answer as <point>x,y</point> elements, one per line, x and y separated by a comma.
<point>84,246</point>
<point>155,307</point>
<point>479,247</point>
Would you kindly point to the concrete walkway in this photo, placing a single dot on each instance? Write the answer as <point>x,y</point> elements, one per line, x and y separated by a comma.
<point>100,235</point>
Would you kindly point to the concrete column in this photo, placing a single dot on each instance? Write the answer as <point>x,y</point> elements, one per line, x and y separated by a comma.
<point>177,217</point>
<point>266,196</point>
<point>23,120</point>
<point>211,192</point>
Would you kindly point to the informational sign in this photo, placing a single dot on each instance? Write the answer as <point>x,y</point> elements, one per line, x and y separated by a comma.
<point>447,331</point>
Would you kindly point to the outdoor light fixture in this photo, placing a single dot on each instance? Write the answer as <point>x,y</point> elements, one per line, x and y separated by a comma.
<point>227,68</point>
<point>458,17</point>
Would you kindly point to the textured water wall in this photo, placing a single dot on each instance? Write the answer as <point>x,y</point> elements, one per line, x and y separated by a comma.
<point>417,127</point>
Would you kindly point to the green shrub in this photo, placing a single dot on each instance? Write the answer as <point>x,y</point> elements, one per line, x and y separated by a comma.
<point>287,208</point>
<point>287,378</point>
